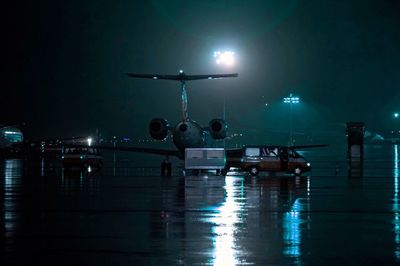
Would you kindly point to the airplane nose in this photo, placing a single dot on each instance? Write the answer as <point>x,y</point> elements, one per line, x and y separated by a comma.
<point>183,127</point>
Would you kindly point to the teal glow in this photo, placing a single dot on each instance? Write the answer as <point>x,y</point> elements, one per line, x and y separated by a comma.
<point>12,182</point>
<point>292,231</point>
<point>225,224</point>
<point>395,208</point>
<point>293,223</point>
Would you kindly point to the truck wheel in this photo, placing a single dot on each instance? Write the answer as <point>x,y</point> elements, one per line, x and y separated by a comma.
<point>195,172</point>
<point>224,171</point>
<point>253,170</point>
<point>85,166</point>
<point>297,170</point>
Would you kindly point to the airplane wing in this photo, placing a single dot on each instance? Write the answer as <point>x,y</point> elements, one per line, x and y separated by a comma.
<point>239,151</point>
<point>234,152</point>
<point>215,76</point>
<point>308,146</point>
<point>154,76</point>
<point>59,139</point>
<point>182,76</point>
<point>175,153</point>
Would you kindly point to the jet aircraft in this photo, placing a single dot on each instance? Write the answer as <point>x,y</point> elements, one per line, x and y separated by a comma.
<point>186,133</point>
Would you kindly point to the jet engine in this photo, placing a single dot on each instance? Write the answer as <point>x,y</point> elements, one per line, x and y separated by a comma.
<point>218,128</point>
<point>158,128</point>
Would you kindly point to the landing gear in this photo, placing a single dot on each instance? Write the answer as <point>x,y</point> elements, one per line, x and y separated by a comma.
<point>297,171</point>
<point>195,172</point>
<point>166,169</point>
<point>253,170</point>
<point>224,171</point>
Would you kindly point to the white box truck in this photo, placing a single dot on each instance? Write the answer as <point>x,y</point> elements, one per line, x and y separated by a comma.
<point>205,158</point>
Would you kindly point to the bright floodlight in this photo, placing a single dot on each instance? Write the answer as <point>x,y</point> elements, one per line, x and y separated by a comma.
<point>89,141</point>
<point>291,99</point>
<point>396,115</point>
<point>226,58</point>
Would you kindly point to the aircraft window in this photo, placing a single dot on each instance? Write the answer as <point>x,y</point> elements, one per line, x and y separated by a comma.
<point>294,154</point>
<point>252,152</point>
<point>264,151</point>
<point>273,151</point>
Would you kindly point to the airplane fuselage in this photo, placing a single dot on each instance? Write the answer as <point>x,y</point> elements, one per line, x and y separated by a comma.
<point>189,134</point>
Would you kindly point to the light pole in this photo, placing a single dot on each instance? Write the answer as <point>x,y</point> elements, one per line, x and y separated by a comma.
<point>225,59</point>
<point>291,100</point>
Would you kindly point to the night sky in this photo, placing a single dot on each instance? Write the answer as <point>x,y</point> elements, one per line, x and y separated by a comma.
<point>64,63</point>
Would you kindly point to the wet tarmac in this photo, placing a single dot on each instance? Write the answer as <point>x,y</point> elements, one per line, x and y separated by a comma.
<point>126,214</point>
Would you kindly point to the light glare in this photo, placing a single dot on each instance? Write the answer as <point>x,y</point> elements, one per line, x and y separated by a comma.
<point>226,58</point>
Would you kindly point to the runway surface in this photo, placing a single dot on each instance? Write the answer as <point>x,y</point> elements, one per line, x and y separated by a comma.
<point>127,214</point>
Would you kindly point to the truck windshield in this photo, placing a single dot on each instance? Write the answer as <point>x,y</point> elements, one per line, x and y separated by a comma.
<point>252,152</point>
<point>294,154</point>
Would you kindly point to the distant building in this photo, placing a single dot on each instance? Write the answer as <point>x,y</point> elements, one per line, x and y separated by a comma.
<point>10,135</point>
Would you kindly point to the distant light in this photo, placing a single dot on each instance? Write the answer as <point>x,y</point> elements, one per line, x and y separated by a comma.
<point>266,104</point>
<point>181,71</point>
<point>89,141</point>
<point>396,115</point>
<point>226,58</point>
<point>11,132</point>
<point>291,99</point>
<point>155,78</point>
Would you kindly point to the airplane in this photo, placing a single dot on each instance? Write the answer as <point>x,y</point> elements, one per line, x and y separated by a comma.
<point>186,133</point>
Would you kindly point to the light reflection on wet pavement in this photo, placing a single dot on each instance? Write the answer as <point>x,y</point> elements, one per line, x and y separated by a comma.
<point>128,215</point>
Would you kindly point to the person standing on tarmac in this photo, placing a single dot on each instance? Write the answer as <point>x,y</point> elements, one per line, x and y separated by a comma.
<point>284,157</point>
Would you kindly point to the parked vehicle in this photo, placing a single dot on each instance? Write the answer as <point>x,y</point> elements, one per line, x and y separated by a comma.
<point>81,157</point>
<point>197,159</point>
<point>268,158</point>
